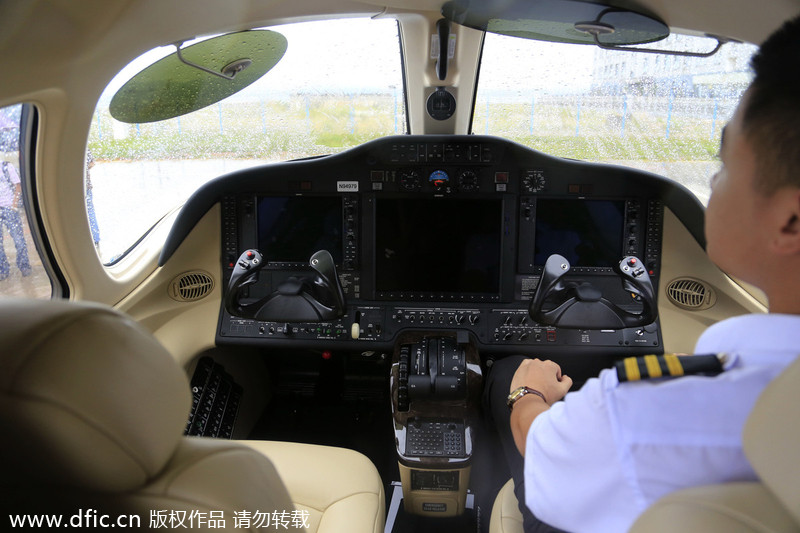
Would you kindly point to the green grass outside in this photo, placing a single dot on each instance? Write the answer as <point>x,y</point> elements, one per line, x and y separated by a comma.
<point>313,125</point>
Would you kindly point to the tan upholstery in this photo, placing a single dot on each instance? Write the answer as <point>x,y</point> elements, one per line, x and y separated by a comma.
<point>339,488</point>
<point>727,508</point>
<point>771,437</point>
<point>93,409</point>
<point>771,443</point>
<point>506,516</point>
<point>86,392</point>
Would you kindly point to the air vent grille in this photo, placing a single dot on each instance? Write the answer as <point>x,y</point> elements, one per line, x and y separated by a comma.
<point>191,286</point>
<point>691,294</point>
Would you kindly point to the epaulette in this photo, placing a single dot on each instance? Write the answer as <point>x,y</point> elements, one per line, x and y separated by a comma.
<point>668,365</point>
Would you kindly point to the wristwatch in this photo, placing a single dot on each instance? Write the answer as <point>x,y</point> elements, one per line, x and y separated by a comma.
<point>519,392</point>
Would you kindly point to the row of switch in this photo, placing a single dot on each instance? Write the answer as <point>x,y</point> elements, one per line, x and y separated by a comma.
<point>548,335</point>
<point>472,318</point>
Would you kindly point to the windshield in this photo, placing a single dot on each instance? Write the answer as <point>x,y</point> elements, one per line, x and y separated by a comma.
<point>339,84</point>
<point>655,112</point>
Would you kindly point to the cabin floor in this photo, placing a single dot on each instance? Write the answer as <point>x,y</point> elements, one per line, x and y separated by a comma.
<point>345,401</point>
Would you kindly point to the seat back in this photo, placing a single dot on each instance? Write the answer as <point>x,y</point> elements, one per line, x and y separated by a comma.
<point>93,410</point>
<point>771,437</point>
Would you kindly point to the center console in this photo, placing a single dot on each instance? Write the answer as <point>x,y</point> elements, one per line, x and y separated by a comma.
<point>436,385</point>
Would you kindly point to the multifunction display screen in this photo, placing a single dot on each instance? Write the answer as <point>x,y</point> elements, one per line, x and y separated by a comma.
<point>586,232</point>
<point>438,245</point>
<point>292,228</point>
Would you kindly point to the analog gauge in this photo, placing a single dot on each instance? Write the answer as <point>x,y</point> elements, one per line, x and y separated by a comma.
<point>468,181</point>
<point>409,180</point>
<point>533,181</point>
<point>439,179</point>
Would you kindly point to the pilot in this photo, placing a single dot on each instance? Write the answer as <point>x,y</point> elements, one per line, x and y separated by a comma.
<point>595,461</point>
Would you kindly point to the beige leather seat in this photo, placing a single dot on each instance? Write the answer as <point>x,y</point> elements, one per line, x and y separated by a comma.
<point>771,443</point>
<point>506,516</point>
<point>93,409</point>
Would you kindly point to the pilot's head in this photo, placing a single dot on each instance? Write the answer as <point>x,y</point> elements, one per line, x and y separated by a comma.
<point>753,216</point>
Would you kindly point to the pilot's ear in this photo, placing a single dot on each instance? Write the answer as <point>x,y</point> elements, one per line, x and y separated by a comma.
<point>787,240</point>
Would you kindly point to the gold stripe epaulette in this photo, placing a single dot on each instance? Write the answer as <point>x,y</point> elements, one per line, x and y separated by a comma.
<point>668,365</point>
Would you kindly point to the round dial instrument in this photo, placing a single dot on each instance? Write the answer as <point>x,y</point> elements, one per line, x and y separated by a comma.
<point>468,181</point>
<point>409,180</point>
<point>439,179</point>
<point>533,181</point>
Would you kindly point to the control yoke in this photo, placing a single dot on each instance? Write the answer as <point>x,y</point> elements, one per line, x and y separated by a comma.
<point>579,305</point>
<point>315,298</point>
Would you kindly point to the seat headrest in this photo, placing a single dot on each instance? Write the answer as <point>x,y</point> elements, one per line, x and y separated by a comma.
<point>771,437</point>
<point>88,398</point>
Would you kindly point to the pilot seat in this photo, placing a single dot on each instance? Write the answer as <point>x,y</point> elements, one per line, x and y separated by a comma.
<point>93,410</point>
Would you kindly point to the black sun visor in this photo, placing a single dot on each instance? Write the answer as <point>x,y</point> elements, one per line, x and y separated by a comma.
<point>197,76</point>
<point>566,21</point>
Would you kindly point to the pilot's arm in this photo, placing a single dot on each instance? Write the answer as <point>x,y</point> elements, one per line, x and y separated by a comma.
<point>597,459</point>
<point>549,385</point>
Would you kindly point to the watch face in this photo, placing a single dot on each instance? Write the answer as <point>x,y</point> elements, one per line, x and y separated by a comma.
<point>515,395</point>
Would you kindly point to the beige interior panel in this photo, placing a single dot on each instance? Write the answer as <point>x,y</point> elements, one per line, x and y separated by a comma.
<point>435,503</point>
<point>421,78</point>
<point>184,328</point>
<point>682,257</point>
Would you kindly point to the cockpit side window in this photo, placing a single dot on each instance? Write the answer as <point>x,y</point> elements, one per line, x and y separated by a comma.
<point>659,113</point>
<point>338,85</point>
<point>22,272</point>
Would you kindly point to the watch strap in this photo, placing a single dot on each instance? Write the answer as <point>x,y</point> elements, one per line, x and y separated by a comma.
<point>519,392</point>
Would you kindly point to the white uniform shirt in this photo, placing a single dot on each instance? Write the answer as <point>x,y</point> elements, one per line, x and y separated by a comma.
<point>596,460</point>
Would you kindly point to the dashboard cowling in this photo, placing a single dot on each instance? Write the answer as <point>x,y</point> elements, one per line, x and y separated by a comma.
<point>462,253</point>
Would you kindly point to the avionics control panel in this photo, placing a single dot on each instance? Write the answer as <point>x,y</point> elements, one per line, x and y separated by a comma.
<point>442,233</point>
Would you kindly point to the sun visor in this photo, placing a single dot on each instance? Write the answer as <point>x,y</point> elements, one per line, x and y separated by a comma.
<point>197,76</point>
<point>566,21</point>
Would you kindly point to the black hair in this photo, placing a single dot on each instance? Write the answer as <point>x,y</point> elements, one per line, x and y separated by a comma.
<point>771,119</point>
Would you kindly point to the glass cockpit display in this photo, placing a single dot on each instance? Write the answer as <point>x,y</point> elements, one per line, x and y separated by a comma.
<point>586,232</point>
<point>438,246</point>
<point>292,228</point>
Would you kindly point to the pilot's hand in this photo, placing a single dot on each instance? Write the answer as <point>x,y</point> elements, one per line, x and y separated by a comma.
<point>544,376</point>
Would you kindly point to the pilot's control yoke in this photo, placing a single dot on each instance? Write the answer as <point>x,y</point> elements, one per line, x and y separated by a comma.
<point>315,298</point>
<point>579,305</point>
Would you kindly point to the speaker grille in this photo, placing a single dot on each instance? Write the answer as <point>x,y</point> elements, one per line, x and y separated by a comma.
<point>191,286</point>
<point>691,294</point>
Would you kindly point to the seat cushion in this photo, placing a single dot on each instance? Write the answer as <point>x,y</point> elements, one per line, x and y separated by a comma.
<point>727,508</point>
<point>506,517</point>
<point>340,488</point>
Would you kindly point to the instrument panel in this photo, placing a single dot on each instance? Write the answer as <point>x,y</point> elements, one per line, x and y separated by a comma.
<point>437,233</point>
